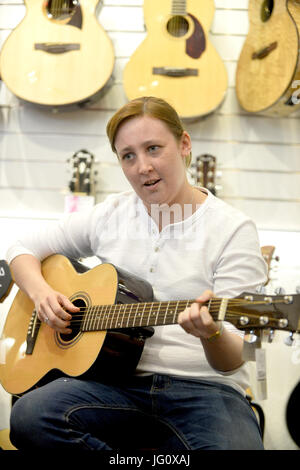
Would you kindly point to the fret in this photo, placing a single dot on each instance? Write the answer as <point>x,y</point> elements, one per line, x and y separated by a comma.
<point>98,310</point>
<point>105,317</point>
<point>136,313</point>
<point>88,319</point>
<point>143,310</point>
<point>175,313</point>
<point>116,320</point>
<point>84,322</point>
<point>166,313</point>
<point>178,7</point>
<point>93,316</point>
<point>129,315</point>
<point>158,310</point>
<point>116,309</point>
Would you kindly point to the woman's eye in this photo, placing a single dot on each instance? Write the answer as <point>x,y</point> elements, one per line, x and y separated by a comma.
<point>153,148</point>
<point>127,156</point>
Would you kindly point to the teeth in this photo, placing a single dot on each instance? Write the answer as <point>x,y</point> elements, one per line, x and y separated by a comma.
<point>148,183</point>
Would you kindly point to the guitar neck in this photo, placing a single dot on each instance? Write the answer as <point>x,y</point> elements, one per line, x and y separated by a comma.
<point>106,317</point>
<point>250,311</point>
<point>178,7</point>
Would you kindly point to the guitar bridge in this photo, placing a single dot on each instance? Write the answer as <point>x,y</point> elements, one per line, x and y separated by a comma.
<point>56,48</point>
<point>32,332</point>
<point>175,71</point>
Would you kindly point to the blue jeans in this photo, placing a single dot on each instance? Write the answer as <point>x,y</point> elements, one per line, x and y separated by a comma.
<point>157,411</point>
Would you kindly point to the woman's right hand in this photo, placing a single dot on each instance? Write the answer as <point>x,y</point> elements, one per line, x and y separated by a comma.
<point>55,309</point>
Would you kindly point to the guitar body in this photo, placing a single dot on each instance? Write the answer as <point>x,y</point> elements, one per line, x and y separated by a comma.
<point>269,61</point>
<point>178,48</point>
<point>75,354</point>
<point>57,60</point>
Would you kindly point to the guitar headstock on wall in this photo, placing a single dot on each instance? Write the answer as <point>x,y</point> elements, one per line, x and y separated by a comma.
<point>5,280</point>
<point>204,173</point>
<point>268,255</point>
<point>82,182</point>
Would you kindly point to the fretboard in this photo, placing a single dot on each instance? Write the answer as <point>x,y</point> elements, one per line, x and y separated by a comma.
<point>178,7</point>
<point>105,317</point>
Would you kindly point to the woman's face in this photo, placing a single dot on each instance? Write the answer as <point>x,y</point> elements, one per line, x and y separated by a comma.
<point>153,160</point>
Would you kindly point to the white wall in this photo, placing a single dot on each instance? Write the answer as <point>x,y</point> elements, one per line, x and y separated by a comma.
<point>258,158</point>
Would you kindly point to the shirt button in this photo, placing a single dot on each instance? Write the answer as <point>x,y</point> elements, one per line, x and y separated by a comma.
<point>156,248</point>
<point>151,270</point>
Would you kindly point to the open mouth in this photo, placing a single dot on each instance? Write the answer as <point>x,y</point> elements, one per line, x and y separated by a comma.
<point>152,182</point>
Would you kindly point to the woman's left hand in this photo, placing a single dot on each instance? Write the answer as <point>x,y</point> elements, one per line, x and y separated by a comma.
<point>196,319</point>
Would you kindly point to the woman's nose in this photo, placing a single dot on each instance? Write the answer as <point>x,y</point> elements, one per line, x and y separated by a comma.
<point>144,165</point>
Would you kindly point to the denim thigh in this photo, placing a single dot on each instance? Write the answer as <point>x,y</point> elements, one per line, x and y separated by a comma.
<point>168,413</point>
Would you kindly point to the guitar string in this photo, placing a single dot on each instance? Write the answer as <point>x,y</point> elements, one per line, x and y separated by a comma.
<point>109,319</point>
<point>120,308</point>
<point>174,303</point>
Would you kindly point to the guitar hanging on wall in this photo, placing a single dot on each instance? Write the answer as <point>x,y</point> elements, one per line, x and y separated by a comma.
<point>59,55</point>
<point>176,61</point>
<point>82,183</point>
<point>204,172</point>
<point>268,70</point>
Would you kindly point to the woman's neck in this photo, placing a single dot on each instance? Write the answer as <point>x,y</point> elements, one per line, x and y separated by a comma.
<point>167,214</point>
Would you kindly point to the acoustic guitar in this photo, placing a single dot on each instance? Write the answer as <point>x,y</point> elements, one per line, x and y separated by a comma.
<point>112,300</point>
<point>59,55</point>
<point>268,67</point>
<point>176,61</point>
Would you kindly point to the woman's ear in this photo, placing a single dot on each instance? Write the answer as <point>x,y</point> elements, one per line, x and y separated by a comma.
<point>185,145</point>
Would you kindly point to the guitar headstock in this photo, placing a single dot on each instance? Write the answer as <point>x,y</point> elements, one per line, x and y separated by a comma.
<point>256,312</point>
<point>82,181</point>
<point>5,280</point>
<point>204,173</point>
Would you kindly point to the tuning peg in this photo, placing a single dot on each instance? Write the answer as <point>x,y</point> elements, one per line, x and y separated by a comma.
<point>271,336</point>
<point>279,291</point>
<point>290,339</point>
<point>261,290</point>
<point>251,337</point>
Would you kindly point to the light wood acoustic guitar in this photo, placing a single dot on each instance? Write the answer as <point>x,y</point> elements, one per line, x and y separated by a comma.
<point>59,55</point>
<point>268,67</point>
<point>111,301</point>
<point>176,61</point>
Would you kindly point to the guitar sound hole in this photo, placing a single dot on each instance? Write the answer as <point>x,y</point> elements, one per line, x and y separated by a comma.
<point>60,10</point>
<point>266,10</point>
<point>75,322</point>
<point>178,26</point>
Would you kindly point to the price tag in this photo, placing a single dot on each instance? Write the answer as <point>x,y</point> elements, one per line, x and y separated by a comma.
<point>261,373</point>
